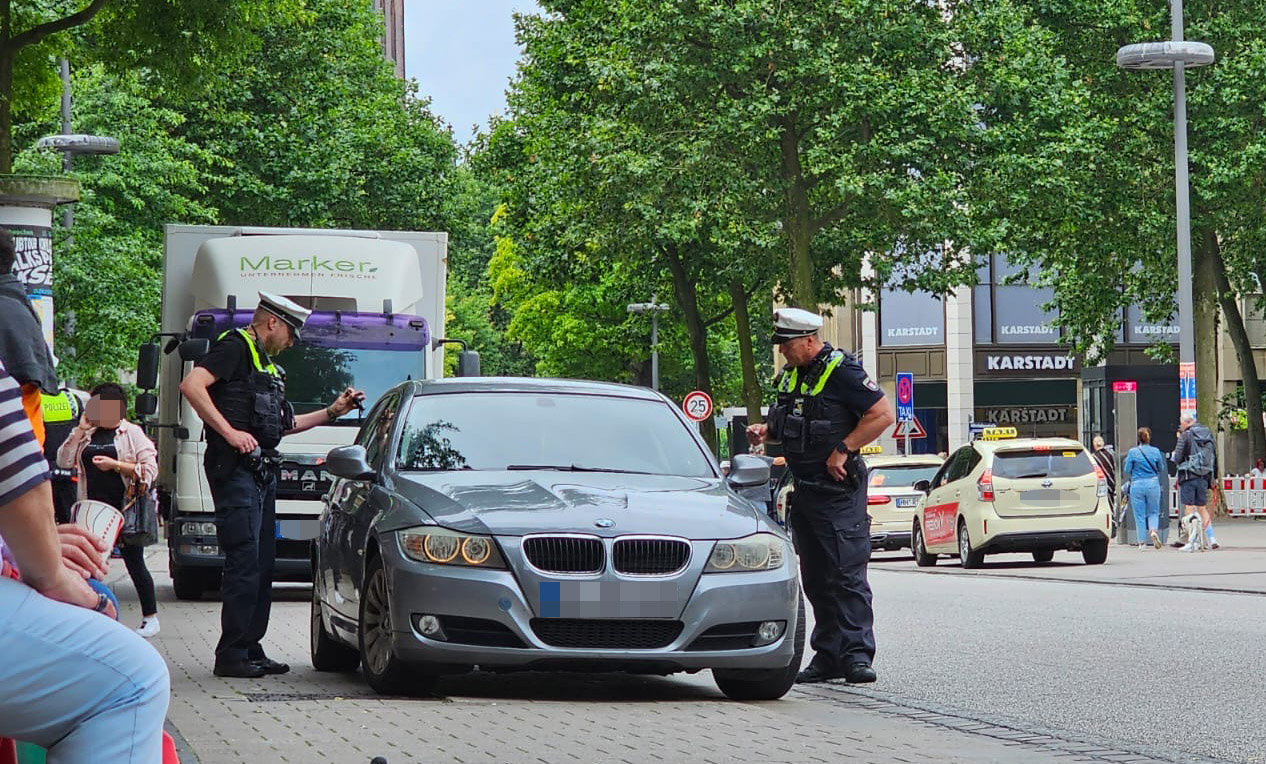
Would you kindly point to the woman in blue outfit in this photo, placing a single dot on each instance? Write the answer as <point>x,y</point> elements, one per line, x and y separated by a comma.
<point>1144,465</point>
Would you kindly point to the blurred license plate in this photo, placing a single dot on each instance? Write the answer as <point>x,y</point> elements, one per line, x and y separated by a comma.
<point>908,501</point>
<point>1042,496</point>
<point>611,599</point>
<point>298,530</point>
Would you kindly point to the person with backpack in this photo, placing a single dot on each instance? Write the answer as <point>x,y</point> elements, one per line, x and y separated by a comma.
<point>1143,467</point>
<point>1196,459</point>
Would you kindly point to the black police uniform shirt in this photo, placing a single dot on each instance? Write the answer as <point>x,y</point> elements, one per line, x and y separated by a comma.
<point>229,360</point>
<point>849,393</point>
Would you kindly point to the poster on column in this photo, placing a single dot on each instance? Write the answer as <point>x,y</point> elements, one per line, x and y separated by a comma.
<point>33,265</point>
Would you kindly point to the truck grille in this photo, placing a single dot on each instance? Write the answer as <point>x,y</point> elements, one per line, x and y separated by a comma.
<point>564,554</point>
<point>606,634</point>
<point>650,556</point>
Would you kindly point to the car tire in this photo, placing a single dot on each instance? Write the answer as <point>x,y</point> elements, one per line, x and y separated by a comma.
<point>764,684</point>
<point>385,672</point>
<point>328,654</point>
<point>1043,555</point>
<point>190,583</point>
<point>968,557</point>
<point>1095,552</point>
<point>922,557</point>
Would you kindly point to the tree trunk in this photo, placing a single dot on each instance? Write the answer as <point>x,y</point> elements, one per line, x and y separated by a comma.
<point>688,301</point>
<point>797,224</point>
<point>751,386</point>
<point>1229,301</point>
<point>1204,296</point>
<point>6,108</point>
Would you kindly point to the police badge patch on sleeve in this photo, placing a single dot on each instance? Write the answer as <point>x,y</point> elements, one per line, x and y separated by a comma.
<point>870,384</point>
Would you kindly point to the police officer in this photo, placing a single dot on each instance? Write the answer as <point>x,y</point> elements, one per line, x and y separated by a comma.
<point>240,395</point>
<point>827,409</point>
<point>61,414</point>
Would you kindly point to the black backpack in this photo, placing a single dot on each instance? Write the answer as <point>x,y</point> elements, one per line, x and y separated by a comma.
<point>1200,460</point>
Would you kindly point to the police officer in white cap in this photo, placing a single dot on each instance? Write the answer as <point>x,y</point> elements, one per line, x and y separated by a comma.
<point>827,409</point>
<point>240,395</point>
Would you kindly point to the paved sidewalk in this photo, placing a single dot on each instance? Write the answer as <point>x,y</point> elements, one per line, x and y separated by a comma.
<point>1238,566</point>
<point>309,717</point>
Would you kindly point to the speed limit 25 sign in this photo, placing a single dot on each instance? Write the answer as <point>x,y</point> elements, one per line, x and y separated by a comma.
<point>697,405</point>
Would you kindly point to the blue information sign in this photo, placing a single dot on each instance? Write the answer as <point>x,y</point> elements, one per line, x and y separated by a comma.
<point>905,396</point>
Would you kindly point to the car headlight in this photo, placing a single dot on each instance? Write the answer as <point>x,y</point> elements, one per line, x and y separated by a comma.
<point>760,551</point>
<point>444,547</point>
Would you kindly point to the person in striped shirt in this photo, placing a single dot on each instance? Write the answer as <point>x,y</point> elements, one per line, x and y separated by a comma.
<point>83,686</point>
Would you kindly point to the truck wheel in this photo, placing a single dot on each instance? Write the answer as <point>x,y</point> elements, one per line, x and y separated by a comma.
<point>188,583</point>
<point>1043,555</point>
<point>328,654</point>
<point>386,673</point>
<point>1095,552</point>
<point>922,557</point>
<point>764,684</point>
<point>968,557</point>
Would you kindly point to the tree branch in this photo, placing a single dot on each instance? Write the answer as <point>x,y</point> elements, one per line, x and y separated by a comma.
<point>835,215</point>
<point>37,33</point>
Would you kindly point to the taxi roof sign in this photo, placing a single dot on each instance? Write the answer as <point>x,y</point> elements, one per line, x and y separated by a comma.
<point>998,433</point>
<point>871,450</point>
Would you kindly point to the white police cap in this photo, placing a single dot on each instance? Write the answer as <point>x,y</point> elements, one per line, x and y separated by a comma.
<point>287,310</point>
<point>790,323</point>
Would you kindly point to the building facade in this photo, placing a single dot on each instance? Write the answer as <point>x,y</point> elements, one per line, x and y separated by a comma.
<point>393,33</point>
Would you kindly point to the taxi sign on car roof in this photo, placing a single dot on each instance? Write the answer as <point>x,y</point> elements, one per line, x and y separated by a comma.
<point>872,449</point>
<point>998,433</point>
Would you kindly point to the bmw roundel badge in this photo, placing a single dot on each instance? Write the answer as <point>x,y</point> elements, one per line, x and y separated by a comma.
<point>603,522</point>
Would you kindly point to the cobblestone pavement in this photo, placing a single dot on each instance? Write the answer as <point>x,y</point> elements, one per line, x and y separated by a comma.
<point>545,717</point>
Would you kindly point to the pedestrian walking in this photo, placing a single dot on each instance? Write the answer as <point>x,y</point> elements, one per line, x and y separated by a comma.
<point>239,393</point>
<point>1196,460</point>
<point>1143,467</point>
<point>115,462</point>
<point>827,410</point>
<point>23,350</point>
<point>1107,461</point>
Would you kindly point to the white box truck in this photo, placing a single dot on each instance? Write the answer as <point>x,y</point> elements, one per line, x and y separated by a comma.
<point>378,303</point>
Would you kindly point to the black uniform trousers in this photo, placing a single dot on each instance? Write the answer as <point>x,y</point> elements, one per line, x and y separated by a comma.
<point>246,527</point>
<point>831,532</point>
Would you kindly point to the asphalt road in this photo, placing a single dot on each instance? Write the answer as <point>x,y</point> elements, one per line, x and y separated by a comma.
<point>1177,670</point>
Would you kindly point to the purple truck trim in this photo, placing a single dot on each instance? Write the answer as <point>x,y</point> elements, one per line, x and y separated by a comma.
<point>354,331</point>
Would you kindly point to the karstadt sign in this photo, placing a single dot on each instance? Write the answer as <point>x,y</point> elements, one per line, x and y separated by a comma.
<point>1001,363</point>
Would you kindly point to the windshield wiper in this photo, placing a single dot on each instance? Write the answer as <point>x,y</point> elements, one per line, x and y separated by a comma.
<point>573,468</point>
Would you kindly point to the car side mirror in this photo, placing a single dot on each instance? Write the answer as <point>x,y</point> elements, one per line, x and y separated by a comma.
<point>147,368</point>
<point>146,403</point>
<point>194,350</point>
<point>923,486</point>
<point>468,364</point>
<point>747,470</point>
<point>349,462</point>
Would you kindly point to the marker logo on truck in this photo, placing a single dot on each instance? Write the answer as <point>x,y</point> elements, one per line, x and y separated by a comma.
<point>267,265</point>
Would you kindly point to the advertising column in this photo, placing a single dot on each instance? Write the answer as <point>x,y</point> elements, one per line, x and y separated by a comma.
<point>26,212</point>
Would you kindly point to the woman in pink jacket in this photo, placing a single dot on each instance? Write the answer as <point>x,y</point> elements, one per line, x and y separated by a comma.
<point>115,460</point>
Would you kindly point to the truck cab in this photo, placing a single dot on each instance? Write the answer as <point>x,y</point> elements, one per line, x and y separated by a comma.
<point>375,303</point>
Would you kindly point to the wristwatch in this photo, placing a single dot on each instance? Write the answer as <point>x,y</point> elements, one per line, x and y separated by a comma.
<point>848,452</point>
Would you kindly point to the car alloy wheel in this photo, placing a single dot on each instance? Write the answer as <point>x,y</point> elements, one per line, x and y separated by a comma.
<point>386,673</point>
<point>922,557</point>
<point>968,558</point>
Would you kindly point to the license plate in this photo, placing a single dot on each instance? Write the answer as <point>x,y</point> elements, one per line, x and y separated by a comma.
<point>611,599</point>
<point>1047,496</point>
<point>298,530</point>
<point>907,502</point>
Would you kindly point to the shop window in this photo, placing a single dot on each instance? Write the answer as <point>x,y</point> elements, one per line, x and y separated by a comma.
<point>910,318</point>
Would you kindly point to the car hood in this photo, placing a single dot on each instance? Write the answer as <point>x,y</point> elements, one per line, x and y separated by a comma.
<point>518,503</point>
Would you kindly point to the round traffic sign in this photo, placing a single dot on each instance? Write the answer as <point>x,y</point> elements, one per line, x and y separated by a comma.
<point>905,390</point>
<point>697,405</point>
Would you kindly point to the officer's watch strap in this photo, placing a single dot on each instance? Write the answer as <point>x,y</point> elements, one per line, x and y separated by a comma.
<point>848,452</point>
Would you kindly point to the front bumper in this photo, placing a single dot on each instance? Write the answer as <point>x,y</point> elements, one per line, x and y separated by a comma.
<point>490,623</point>
<point>202,550</point>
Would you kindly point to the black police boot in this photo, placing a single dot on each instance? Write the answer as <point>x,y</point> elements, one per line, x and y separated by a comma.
<point>815,673</point>
<point>238,670</point>
<point>859,672</point>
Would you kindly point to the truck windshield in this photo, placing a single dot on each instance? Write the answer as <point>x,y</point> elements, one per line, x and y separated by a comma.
<point>316,375</point>
<point>548,431</point>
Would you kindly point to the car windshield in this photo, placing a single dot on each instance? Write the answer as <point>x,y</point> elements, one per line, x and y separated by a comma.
<point>1053,463</point>
<point>901,475</point>
<point>556,431</point>
<point>316,375</point>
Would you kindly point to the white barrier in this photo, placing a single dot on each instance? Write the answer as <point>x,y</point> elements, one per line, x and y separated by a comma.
<point>1244,497</point>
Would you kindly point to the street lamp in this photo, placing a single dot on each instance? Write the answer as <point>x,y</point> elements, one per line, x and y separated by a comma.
<point>654,309</point>
<point>1178,54</point>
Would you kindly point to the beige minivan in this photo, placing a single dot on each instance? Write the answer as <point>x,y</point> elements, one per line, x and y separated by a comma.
<point>1007,494</point>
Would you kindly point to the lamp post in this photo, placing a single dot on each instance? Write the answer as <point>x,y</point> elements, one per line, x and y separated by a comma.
<point>1178,55</point>
<point>654,309</point>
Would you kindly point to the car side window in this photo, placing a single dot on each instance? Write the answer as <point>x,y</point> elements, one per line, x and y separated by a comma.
<point>943,474</point>
<point>377,430</point>
<point>959,465</point>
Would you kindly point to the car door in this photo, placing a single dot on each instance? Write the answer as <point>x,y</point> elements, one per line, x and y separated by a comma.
<point>345,545</point>
<point>940,509</point>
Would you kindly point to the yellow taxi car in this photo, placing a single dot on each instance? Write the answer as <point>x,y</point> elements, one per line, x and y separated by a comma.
<point>1002,493</point>
<point>890,494</point>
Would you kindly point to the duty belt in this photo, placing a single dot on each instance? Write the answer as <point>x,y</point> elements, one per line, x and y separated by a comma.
<point>837,487</point>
